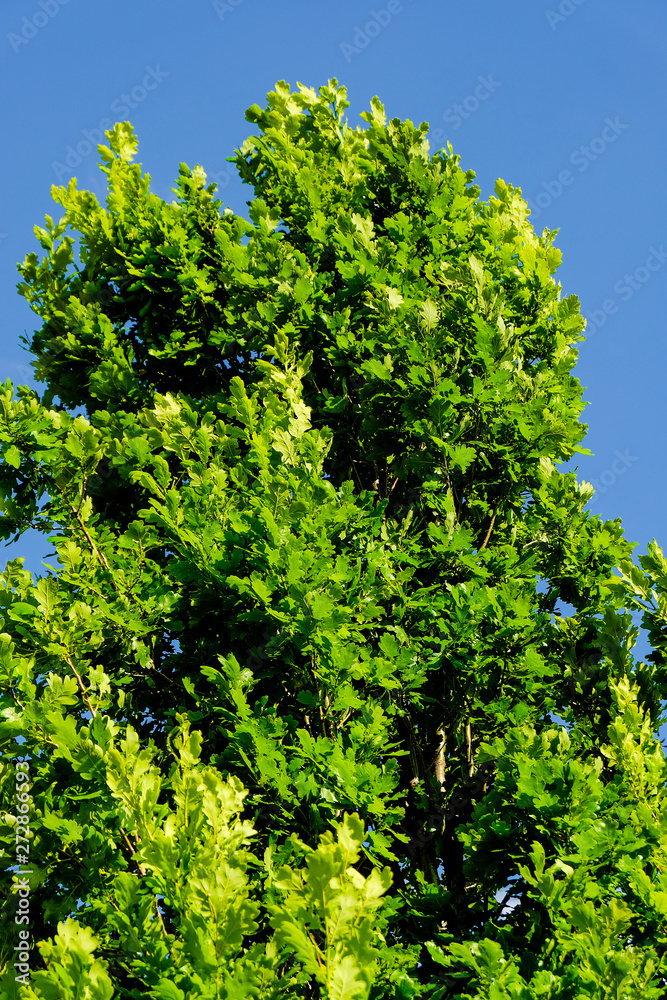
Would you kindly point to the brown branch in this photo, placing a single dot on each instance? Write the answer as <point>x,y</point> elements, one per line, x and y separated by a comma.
<point>76,673</point>
<point>471,762</point>
<point>96,552</point>
<point>440,758</point>
<point>488,534</point>
<point>327,715</point>
<point>142,870</point>
<point>376,483</point>
<point>355,473</point>
<point>83,494</point>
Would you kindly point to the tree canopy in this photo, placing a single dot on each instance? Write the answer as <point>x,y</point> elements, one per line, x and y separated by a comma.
<point>331,693</point>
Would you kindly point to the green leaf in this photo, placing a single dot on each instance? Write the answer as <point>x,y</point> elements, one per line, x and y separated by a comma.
<point>429,314</point>
<point>123,141</point>
<point>12,456</point>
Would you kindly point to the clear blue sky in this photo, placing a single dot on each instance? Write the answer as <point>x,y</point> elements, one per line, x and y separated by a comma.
<point>566,101</point>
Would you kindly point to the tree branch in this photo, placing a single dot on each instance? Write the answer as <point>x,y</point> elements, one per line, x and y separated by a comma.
<point>76,673</point>
<point>488,534</point>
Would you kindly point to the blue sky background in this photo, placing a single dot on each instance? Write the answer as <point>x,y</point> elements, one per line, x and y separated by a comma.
<point>565,99</point>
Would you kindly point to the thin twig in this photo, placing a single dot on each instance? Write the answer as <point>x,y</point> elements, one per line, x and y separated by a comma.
<point>157,907</point>
<point>83,494</point>
<point>96,552</point>
<point>471,763</point>
<point>488,534</point>
<point>142,870</point>
<point>354,471</point>
<point>76,673</point>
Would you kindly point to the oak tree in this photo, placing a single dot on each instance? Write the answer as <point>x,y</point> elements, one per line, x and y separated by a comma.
<point>331,691</point>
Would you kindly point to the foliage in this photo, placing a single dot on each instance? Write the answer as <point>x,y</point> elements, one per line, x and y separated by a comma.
<point>331,693</point>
